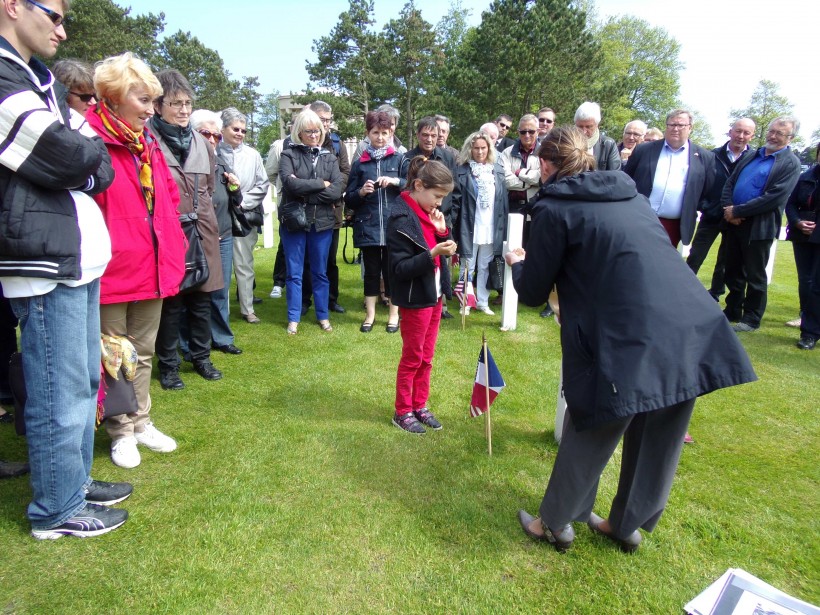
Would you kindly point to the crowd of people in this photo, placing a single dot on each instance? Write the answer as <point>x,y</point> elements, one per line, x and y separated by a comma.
<point>101,245</point>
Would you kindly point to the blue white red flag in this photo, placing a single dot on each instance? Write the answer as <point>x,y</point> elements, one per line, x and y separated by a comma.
<point>478,403</point>
<point>465,298</point>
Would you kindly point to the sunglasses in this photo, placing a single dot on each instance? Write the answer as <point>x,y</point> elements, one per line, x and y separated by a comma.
<point>527,132</point>
<point>238,130</point>
<point>504,126</point>
<point>216,136</point>
<point>544,120</point>
<point>55,17</point>
<point>86,98</point>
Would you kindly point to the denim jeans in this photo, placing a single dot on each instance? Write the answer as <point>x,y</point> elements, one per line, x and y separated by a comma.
<point>316,245</point>
<point>60,342</point>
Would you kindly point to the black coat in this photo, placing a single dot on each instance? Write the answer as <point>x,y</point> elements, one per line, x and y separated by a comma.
<point>712,206</point>
<point>638,330</point>
<point>606,153</point>
<point>464,206</point>
<point>370,213</point>
<point>411,269</point>
<point>442,156</point>
<point>643,163</point>
<point>765,213</point>
<point>804,204</point>
<point>304,181</point>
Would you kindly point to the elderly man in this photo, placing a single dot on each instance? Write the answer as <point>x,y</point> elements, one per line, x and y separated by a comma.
<point>604,149</point>
<point>503,122</point>
<point>546,122</point>
<point>491,130</point>
<point>633,136</point>
<point>675,175</point>
<point>522,171</point>
<point>727,156</point>
<point>443,134</point>
<point>754,198</point>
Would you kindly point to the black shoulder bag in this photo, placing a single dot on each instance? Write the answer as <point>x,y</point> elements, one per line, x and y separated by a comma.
<point>196,265</point>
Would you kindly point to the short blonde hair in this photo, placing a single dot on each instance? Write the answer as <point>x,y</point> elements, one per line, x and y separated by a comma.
<point>305,120</point>
<point>467,149</point>
<point>114,77</point>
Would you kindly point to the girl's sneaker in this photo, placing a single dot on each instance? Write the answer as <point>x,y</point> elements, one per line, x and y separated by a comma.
<point>425,416</point>
<point>408,423</point>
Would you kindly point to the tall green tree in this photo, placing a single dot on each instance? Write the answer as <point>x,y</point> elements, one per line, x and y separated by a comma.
<point>97,29</point>
<point>765,104</point>
<point>344,58</point>
<point>204,69</point>
<point>267,121</point>
<point>410,57</point>
<point>639,74</point>
<point>528,53</point>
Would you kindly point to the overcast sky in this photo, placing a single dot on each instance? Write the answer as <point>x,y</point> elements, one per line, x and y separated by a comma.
<point>728,46</point>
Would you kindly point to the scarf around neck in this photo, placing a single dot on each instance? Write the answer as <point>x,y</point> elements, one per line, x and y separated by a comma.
<point>485,183</point>
<point>136,144</point>
<point>593,140</point>
<point>428,229</point>
<point>177,138</point>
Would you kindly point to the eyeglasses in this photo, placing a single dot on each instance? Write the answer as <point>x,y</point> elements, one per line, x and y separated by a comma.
<point>545,120</point>
<point>179,104</point>
<point>678,126</point>
<point>86,98</point>
<point>239,131</point>
<point>326,120</point>
<point>778,133</point>
<point>312,132</point>
<point>527,132</point>
<point>216,136</point>
<point>636,135</point>
<point>54,16</point>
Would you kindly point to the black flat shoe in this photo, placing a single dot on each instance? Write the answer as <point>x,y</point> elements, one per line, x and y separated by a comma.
<point>627,545</point>
<point>561,540</point>
<point>392,328</point>
<point>366,327</point>
<point>337,308</point>
<point>806,342</point>
<point>228,349</point>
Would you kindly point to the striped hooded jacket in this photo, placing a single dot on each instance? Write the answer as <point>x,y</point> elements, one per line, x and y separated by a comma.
<point>41,159</point>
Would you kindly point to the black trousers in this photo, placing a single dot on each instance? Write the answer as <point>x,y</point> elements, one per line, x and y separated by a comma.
<point>332,274</point>
<point>705,236</point>
<point>746,281</point>
<point>652,446</point>
<point>196,307</point>
<point>280,272</point>
<point>8,344</point>
<point>374,260</point>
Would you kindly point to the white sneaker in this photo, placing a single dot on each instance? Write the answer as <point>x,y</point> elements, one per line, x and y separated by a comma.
<point>124,452</point>
<point>276,293</point>
<point>485,310</point>
<point>154,439</point>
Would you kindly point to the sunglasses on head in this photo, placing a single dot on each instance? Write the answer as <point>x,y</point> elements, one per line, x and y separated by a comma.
<point>83,97</point>
<point>216,136</point>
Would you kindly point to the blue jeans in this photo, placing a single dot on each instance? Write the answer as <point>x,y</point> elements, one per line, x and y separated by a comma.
<point>60,342</point>
<point>317,245</point>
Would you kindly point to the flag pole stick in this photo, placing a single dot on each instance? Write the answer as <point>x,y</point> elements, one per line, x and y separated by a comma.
<point>488,425</point>
<point>463,298</point>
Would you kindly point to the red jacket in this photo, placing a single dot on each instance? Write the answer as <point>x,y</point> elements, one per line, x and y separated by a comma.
<point>147,252</point>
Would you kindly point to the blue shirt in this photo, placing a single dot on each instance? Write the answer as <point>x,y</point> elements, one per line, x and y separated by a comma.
<point>752,180</point>
<point>669,183</point>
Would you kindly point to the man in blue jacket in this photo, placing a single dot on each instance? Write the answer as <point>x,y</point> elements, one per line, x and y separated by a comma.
<point>754,198</point>
<point>54,247</point>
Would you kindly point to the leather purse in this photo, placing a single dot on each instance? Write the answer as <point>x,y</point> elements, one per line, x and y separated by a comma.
<point>293,216</point>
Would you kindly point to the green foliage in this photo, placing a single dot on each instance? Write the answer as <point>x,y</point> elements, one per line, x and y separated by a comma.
<point>765,104</point>
<point>290,491</point>
<point>346,116</point>
<point>98,29</point>
<point>638,78</point>
<point>701,130</point>
<point>267,121</point>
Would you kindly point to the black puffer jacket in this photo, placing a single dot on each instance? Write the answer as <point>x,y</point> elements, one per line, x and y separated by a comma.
<point>370,213</point>
<point>464,207</point>
<point>303,171</point>
<point>804,204</point>
<point>410,267</point>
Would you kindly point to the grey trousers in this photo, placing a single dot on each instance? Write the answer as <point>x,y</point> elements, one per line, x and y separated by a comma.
<point>652,446</point>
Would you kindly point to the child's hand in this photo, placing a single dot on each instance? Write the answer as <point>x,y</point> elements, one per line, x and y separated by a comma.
<point>445,248</point>
<point>437,218</point>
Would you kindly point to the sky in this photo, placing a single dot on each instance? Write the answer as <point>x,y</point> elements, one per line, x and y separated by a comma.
<point>727,46</point>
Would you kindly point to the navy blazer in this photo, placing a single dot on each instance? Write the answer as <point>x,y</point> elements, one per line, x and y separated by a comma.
<point>643,163</point>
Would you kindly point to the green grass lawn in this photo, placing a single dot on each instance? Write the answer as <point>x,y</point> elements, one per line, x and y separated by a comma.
<point>291,492</point>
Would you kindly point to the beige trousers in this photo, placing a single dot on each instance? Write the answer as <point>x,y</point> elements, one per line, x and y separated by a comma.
<point>139,320</point>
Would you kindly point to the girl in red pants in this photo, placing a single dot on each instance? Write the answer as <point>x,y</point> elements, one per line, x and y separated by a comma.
<point>416,237</point>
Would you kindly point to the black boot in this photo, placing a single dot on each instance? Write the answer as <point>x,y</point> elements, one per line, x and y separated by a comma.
<point>206,369</point>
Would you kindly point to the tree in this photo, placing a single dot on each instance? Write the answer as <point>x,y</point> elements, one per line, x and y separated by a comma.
<point>765,105</point>
<point>204,69</point>
<point>344,58</point>
<point>248,99</point>
<point>409,59</point>
<point>268,122</point>
<point>639,75</point>
<point>97,29</point>
<point>701,130</point>
<point>526,54</point>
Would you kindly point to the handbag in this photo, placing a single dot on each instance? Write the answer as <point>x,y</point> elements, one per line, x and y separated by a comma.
<point>240,227</point>
<point>255,216</point>
<point>293,216</point>
<point>495,279</point>
<point>196,265</point>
